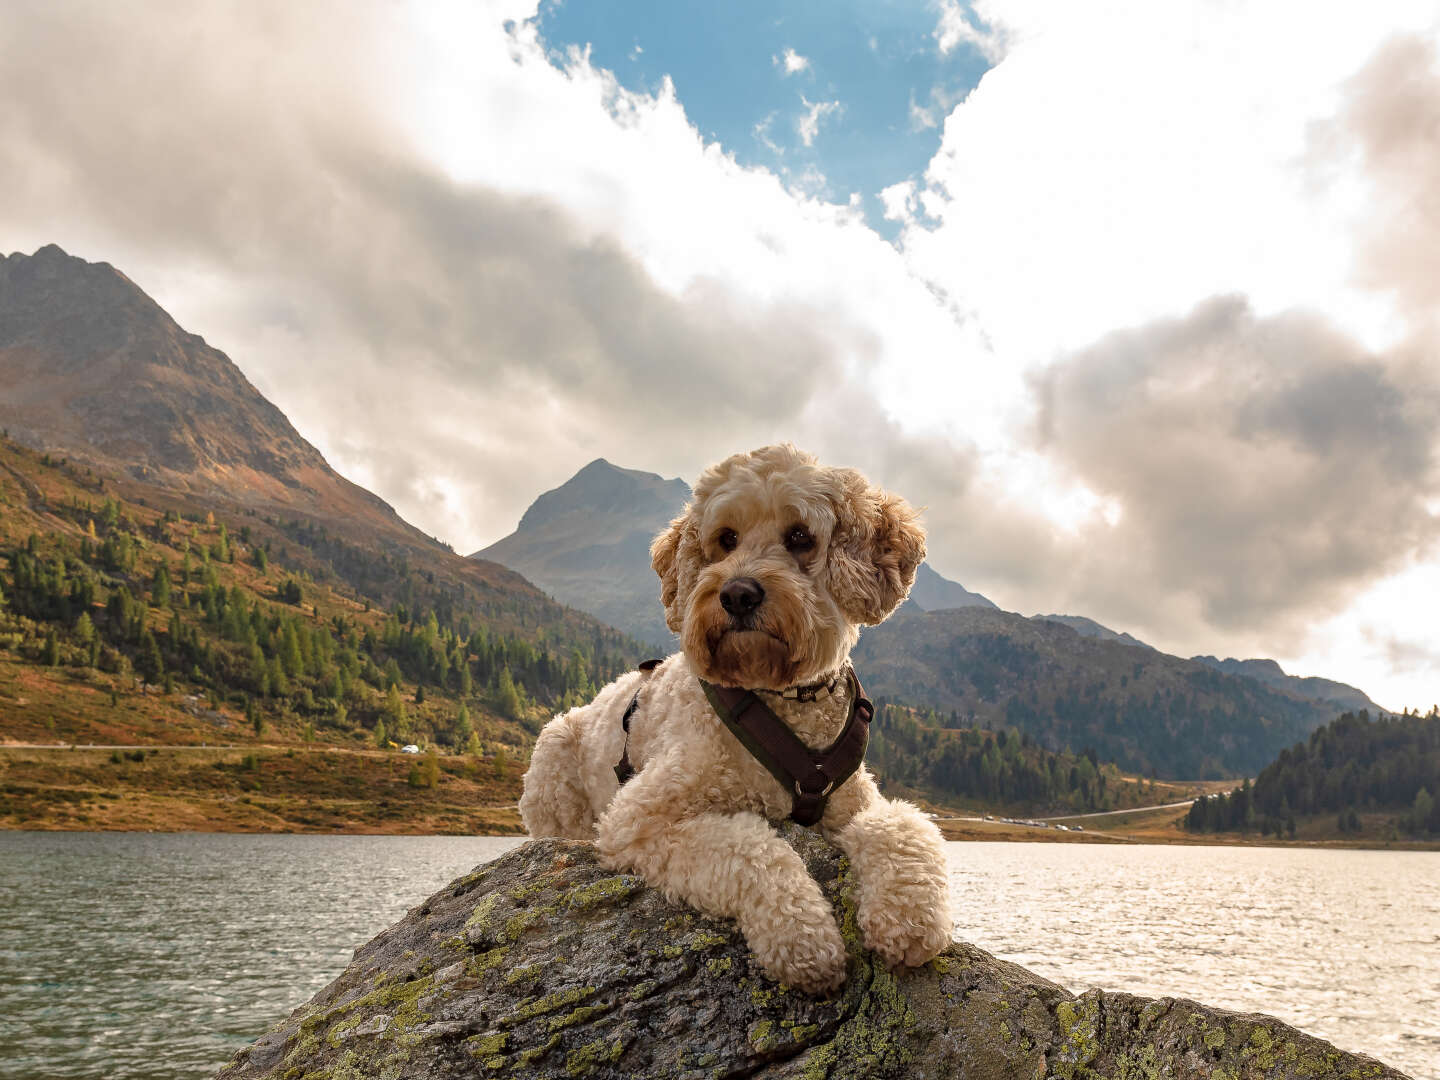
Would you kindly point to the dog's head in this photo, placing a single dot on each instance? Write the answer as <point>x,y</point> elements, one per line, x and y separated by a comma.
<point>771,570</point>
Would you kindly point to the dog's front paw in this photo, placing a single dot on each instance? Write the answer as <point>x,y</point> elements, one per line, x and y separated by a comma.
<point>905,936</point>
<point>808,955</point>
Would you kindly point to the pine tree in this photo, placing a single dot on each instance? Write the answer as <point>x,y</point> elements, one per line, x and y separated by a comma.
<point>150,664</point>
<point>51,656</point>
<point>380,737</point>
<point>507,697</point>
<point>160,587</point>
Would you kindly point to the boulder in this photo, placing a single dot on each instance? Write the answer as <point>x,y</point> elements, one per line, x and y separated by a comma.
<point>543,964</point>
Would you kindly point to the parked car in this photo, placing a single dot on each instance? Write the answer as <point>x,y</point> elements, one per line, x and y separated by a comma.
<point>410,748</point>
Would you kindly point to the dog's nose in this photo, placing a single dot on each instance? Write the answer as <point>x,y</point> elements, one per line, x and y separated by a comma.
<point>740,596</point>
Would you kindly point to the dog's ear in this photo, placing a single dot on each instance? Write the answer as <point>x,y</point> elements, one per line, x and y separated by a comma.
<point>876,548</point>
<point>671,557</point>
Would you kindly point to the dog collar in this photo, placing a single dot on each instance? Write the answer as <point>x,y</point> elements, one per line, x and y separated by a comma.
<point>810,691</point>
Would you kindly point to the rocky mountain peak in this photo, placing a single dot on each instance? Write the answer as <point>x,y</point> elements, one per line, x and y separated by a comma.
<point>92,367</point>
<point>601,486</point>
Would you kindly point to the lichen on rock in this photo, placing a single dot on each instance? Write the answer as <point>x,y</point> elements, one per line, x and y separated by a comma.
<point>543,964</point>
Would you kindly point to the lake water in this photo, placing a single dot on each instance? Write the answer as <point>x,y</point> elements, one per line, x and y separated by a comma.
<point>129,956</point>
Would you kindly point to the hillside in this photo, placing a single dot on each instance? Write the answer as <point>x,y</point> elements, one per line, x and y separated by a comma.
<point>587,544</point>
<point>179,567</point>
<point>1150,712</point>
<point>918,751</point>
<point>1090,628</point>
<point>1328,692</point>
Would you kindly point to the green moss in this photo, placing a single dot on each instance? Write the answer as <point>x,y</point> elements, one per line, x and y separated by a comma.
<point>548,1004</point>
<point>1214,1038</point>
<point>520,922</point>
<point>670,952</point>
<point>642,990</point>
<point>582,1061</point>
<point>482,918</point>
<point>760,1033</point>
<point>706,939</point>
<point>488,1045</point>
<point>529,974</point>
<point>480,963</point>
<point>719,965</point>
<point>940,964</point>
<point>611,890</point>
<point>579,1016</point>
<point>1143,1064</point>
<point>1259,1049</point>
<point>526,1058</point>
<point>1079,1023</point>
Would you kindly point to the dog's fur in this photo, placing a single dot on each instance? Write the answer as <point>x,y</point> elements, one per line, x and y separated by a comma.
<point>694,820</point>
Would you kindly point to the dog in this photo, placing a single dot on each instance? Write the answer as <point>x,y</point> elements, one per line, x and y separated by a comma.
<point>767,575</point>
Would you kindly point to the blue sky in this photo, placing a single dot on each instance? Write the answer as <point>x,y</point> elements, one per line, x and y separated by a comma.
<point>879,60</point>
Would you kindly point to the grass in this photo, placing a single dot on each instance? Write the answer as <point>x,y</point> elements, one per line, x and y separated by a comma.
<point>251,789</point>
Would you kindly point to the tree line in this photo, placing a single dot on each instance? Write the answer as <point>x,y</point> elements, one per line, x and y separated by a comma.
<point>1005,767</point>
<point>1354,764</point>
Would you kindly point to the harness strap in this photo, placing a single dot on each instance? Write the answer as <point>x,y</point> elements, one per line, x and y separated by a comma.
<point>623,769</point>
<point>810,775</point>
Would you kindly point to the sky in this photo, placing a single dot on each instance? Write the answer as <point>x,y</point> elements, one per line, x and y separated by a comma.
<point>1138,300</point>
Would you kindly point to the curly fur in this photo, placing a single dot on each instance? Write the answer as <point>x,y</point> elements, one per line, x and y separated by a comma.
<point>695,819</point>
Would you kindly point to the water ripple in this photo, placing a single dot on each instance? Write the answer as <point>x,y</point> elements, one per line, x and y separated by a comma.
<point>154,957</point>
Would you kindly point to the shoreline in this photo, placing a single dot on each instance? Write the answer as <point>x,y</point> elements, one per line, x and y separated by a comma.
<point>1007,837</point>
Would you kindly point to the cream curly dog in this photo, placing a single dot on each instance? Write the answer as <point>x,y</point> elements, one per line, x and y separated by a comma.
<point>767,575</point>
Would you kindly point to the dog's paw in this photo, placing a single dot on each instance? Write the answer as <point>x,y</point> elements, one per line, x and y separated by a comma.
<point>810,958</point>
<point>905,936</point>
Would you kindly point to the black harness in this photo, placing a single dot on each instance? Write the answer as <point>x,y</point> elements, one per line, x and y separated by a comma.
<point>810,775</point>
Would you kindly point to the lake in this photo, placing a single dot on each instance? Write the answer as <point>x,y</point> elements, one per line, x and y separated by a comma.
<point>133,956</point>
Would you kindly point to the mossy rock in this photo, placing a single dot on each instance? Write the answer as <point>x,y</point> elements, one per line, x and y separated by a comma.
<point>545,965</point>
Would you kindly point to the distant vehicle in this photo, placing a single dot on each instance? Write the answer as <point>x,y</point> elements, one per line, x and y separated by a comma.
<point>410,748</point>
<point>1078,828</point>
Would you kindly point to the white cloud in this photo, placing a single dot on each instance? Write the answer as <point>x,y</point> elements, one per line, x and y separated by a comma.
<point>791,61</point>
<point>763,133</point>
<point>807,126</point>
<point>958,26</point>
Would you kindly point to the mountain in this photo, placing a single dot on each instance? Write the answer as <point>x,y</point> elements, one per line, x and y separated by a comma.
<point>1090,628</point>
<point>1144,709</point>
<point>932,592</point>
<point>149,487</point>
<point>92,367</point>
<point>1337,696</point>
<point>587,544</point>
<point>1325,691</point>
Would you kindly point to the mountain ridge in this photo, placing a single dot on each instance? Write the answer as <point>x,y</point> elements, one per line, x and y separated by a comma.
<point>586,542</point>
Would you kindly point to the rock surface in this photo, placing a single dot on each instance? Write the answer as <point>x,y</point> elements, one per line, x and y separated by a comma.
<point>543,964</point>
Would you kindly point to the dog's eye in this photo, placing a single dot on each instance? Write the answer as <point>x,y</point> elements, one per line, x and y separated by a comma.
<point>799,539</point>
<point>726,539</point>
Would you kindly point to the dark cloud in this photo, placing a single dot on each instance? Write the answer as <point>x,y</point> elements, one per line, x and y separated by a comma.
<point>458,347</point>
<point>1266,468</point>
